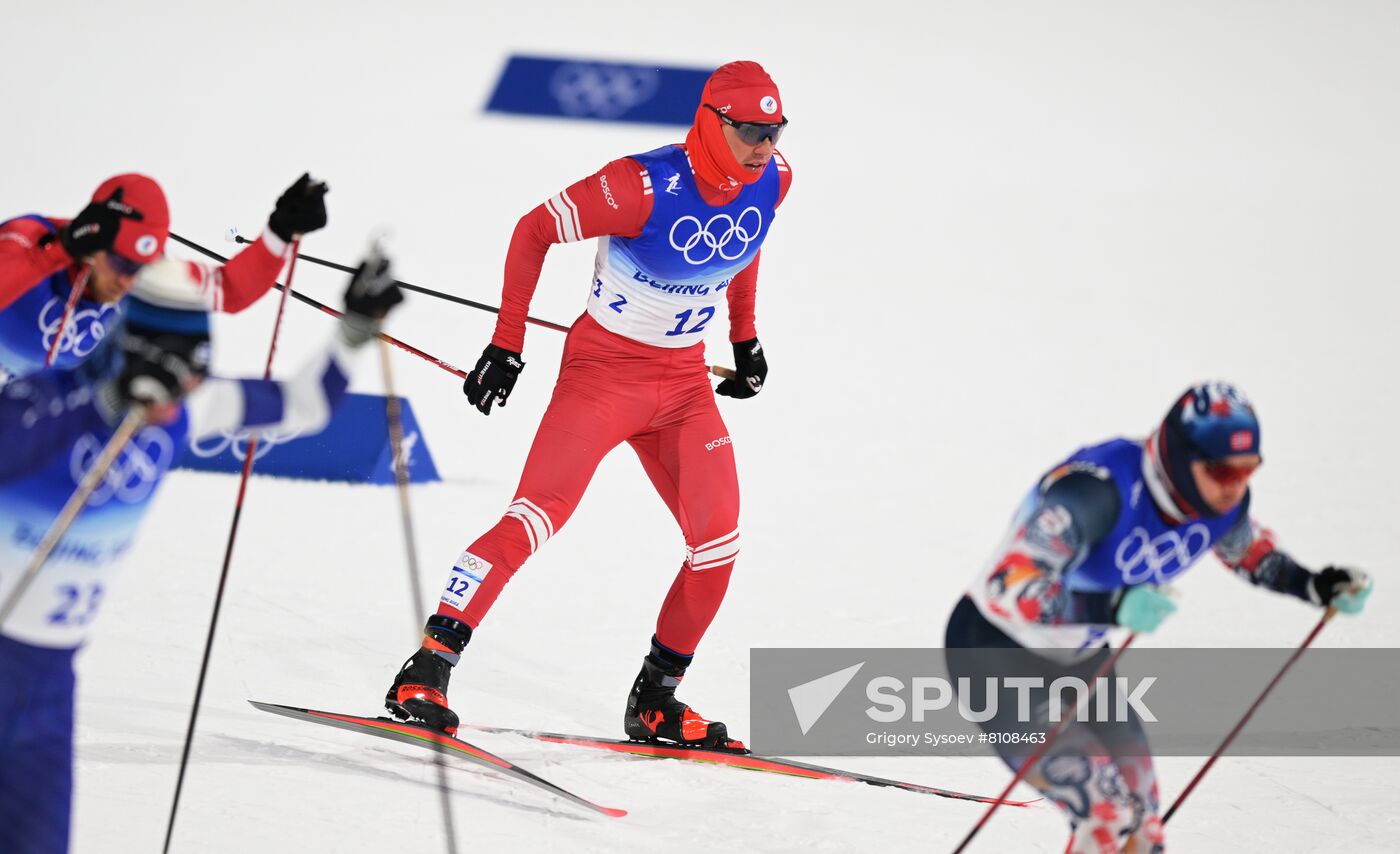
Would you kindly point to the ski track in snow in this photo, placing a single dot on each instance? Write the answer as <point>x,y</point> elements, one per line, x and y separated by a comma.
<point>1077,211</point>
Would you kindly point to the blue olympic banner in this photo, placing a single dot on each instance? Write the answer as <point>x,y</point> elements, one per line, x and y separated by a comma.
<point>353,448</point>
<point>598,91</point>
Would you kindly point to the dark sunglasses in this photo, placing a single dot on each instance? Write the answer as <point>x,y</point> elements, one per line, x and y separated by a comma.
<point>122,265</point>
<point>752,133</point>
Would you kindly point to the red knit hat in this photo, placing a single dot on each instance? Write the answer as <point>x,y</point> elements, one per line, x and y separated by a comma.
<point>744,92</point>
<point>140,240</point>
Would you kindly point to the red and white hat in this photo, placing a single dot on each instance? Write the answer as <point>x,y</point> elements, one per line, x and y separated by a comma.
<point>140,240</point>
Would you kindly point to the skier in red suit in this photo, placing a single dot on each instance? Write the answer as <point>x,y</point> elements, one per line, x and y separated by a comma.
<point>679,229</point>
<point>117,239</point>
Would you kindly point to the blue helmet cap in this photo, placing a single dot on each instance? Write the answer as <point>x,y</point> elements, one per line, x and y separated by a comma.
<point>181,333</point>
<point>161,319</point>
<point>1210,421</point>
<point>1213,421</point>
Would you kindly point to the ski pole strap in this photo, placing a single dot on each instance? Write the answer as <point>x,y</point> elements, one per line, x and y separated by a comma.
<point>134,420</point>
<point>1307,642</point>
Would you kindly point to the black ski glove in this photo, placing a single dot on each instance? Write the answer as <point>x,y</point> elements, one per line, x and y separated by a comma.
<point>492,378</point>
<point>300,210</point>
<point>1340,588</point>
<point>155,368</point>
<point>95,228</point>
<point>751,370</point>
<point>370,296</point>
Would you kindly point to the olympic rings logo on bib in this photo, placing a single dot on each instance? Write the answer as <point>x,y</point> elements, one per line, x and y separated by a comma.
<point>134,474</point>
<point>1157,559</point>
<point>85,330</point>
<point>716,237</point>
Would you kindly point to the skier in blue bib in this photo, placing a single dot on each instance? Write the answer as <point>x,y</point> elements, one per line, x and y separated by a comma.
<point>1088,557</point>
<point>53,425</point>
<point>62,281</point>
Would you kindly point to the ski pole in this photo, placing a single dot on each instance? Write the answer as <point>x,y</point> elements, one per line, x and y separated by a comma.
<point>228,560</point>
<point>1250,713</point>
<point>133,421</point>
<point>717,370</point>
<point>393,411</point>
<point>238,238</point>
<point>1040,751</point>
<point>387,339</point>
<point>73,296</point>
<point>302,298</point>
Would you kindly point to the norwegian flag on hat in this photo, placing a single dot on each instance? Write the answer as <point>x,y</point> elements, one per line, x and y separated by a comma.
<point>1215,420</point>
<point>1242,440</point>
<point>140,240</point>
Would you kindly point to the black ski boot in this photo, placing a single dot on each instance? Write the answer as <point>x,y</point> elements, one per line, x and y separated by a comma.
<point>419,692</point>
<point>653,712</point>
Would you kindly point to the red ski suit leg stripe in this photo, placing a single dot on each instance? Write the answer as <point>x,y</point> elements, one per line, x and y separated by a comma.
<point>611,390</point>
<point>690,461</point>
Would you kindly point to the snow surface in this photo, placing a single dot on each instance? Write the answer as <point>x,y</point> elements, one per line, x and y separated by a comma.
<point>1015,228</point>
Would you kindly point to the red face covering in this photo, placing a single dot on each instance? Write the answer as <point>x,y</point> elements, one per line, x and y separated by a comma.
<point>744,92</point>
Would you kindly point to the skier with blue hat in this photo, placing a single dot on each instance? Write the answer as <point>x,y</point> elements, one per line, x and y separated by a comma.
<point>1088,557</point>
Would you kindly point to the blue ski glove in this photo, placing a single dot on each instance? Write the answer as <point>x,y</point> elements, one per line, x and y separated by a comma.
<point>1143,608</point>
<point>1343,589</point>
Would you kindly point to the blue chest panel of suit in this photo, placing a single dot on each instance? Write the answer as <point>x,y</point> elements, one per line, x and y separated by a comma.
<point>687,240</point>
<point>1143,547</point>
<point>65,596</point>
<point>28,325</point>
<point>663,286</point>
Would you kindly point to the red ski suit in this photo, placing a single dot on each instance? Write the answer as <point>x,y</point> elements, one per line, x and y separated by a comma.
<point>26,260</point>
<point>612,389</point>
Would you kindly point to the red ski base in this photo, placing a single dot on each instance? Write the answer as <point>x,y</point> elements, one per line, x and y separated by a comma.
<point>740,759</point>
<point>446,744</point>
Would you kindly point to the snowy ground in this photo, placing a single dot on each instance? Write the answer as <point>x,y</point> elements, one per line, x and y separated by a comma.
<point>1015,228</point>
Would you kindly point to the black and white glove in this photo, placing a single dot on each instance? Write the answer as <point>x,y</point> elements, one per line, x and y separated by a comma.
<point>371,295</point>
<point>94,229</point>
<point>492,378</point>
<point>1343,589</point>
<point>300,210</point>
<point>750,369</point>
<point>156,369</point>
